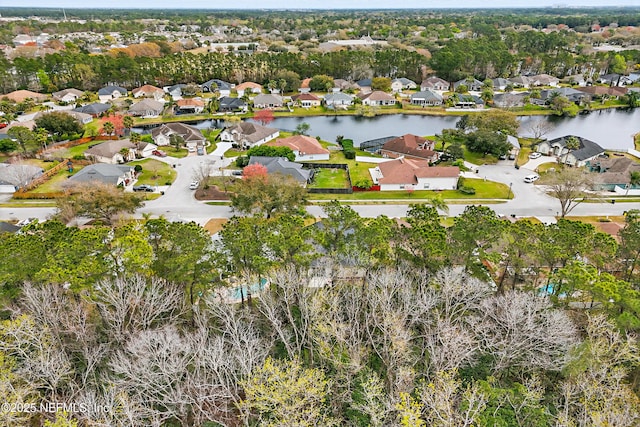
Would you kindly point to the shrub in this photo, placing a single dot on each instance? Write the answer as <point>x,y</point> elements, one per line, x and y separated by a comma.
<point>79,157</point>
<point>138,168</point>
<point>467,190</point>
<point>350,154</point>
<point>242,161</point>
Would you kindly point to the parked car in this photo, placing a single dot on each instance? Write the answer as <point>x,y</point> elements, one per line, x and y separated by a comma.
<point>236,173</point>
<point>531,178</point>
<point>200,151</point>
<point>144,187</point>
<point>191,149</point>
<point>159,153</point>
<point>3,125</point>
<point>535,155</point>
<point>194,185</point>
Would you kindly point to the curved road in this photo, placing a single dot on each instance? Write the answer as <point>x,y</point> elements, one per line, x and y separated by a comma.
<point>179,203</point>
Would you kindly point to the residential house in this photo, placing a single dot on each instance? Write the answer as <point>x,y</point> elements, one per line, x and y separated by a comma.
<point>510,99</point>
<point>304,147</point>
<point>283,166</point>
<point>613,173</point>
<point>411,147</point>
<point>306,100</point>
<point>426,98</point>
<point>112,152</point>
<point>577,79</point>
<point>147,108</point>
<point>7,227</point>
<point>376,98</point>
<point>217,85</point>
<point>248,134</point>
<point>268,101</point>
<point>342,84</point>
<point>467,101</point>
<point>189,106</point>
<point>67,95</point>
<point>615,80</point>
<point>397,85</point>
<point>305,86</point>
<point>22,95</point>
<point>103,173</point>
<point>573,95</point>
<point>148,91</point>
<point>229,104</point>
<point>544,80</point>
<point>110,92</point>
<point>248,87</point>
<point>191,135</point>
<point>515,146</point>
<point>500,83</point>
<point>175,91</point>
<point>587,150</point>
<point>338,100</point>
<point>520,81</point>
<point>363,85</point>
<point>610,91</point>
<point>474,85</point>
<point>94,109</point>
<point>434,83</point>
<point>413,174</point>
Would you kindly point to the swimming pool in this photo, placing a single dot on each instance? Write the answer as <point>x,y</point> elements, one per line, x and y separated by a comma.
<point>240,291</point>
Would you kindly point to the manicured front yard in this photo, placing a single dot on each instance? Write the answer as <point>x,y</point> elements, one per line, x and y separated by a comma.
<point>54,184</point>
<point>484,190</point>
<point>154,172</point>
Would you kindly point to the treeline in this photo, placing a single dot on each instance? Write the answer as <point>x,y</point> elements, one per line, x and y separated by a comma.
<point>365,322</point>
<point>90,72</point>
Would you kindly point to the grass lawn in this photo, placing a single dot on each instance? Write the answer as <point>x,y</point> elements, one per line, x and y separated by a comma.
<point>357,170</point>
<point>330,178</point>
<point>171,151</point>
<point>154,172</point>
<point>54,184</point>
<point>484,190</point>
<point>232,152</point>
<point>478,158</point>
<point>637,141</point>
<point>40,163</point>
<point>545,167</point>
<point>78,150</point>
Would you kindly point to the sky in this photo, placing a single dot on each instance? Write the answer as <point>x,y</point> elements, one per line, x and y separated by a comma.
<point>308,4</point>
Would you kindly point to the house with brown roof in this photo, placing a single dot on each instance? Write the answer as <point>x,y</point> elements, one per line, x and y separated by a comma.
<point>304,147</point>
<point>305,86</point>
<point>434,83</point>
<point>612,91</point>
<point>613,173</point>
<point>377,98</point>
<point>410,146</point>
<point>306,100</point>
<point>248,134</point>
<point>22,95</point>
<point>248,87</point>
<point>412,174</point>
<point>67,95</point>
<point>191,135</point>
<point>189,106</point>
<point>112,152</point>
<point>268,101</point>
<point>148,91</point>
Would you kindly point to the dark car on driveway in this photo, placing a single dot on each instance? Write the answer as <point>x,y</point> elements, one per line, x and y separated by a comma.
<point>159,153</point>
<point>143,187</point>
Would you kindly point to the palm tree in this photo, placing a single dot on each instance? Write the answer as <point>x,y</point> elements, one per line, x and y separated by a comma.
<point>127,121</point>
<point>108,128</point>
<point>572,143</point>
<point>438,203</point>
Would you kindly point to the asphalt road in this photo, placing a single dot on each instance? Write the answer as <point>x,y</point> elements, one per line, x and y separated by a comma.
<point>179,203</point>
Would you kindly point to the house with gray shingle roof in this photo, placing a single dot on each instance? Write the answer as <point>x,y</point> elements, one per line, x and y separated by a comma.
<point>283,166</point>
<point>190,134</point>
<point>338,100</point>
<point>103,173</point>
<point>147,108</point>
<point>426,97</point>
<point>587,150</point>
<point>267,101</point>
<point>213,85</point>
<point>94,109</point>
<point>248,134</point>
<point>112,152</point>
<point>111,92</point>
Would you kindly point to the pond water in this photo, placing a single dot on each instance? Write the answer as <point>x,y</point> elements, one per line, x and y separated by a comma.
<point>611,129</point>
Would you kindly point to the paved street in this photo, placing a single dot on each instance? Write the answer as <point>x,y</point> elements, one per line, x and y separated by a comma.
<point>179,203</point>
